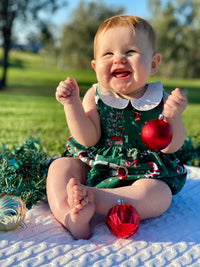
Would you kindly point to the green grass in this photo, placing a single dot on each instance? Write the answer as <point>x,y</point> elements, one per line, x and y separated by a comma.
<point>24,116</point>
<point>37,74</point>
<point>28,106</point>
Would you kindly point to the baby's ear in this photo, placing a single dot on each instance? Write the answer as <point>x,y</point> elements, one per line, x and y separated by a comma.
<point>93,63</point>
<point>156,59</point>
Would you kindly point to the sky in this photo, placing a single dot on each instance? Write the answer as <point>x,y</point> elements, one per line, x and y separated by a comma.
<point>133,7</point>
<point>62,16</point>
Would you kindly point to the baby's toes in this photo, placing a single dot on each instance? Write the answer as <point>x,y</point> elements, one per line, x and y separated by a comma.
<point>80,191</point>
<point>77,208</point>
<point>84,201</point>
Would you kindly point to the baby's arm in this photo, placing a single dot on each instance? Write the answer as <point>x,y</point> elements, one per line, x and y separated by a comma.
<point>173,108</point>
<point>83,119</point>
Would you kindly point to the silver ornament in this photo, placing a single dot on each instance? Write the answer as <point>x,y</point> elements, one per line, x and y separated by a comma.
<point>12,212</point>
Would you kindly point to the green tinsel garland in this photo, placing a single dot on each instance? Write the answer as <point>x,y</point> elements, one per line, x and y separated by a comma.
<point>23,172</point>
<point>189,154</point>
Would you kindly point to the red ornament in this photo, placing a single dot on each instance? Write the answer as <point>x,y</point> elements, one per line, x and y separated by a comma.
<point>123,220</point>
<point>156,134</point>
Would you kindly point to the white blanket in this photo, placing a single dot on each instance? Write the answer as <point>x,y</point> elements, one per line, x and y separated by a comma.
<point>173,239</point>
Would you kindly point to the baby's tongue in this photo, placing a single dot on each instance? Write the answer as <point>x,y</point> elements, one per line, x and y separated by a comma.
<point>121,73</point>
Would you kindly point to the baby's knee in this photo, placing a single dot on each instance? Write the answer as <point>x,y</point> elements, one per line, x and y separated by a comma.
<point>163,199</point>
<point>154,197</point>
<point>59,164</point>
<point>67,168</point>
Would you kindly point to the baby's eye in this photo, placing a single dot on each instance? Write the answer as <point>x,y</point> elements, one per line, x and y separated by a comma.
<point>108,53</point>
<point>130,52</point>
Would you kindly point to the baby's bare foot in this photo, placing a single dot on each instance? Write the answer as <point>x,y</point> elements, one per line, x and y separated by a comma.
<point>75,192</point>
<point>81,201</point>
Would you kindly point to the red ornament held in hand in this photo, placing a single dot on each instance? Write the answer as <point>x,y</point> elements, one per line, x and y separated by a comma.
<point>156,134</point>
<point>123,220</point>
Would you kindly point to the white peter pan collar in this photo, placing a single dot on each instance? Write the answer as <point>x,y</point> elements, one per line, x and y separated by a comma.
<point>151,98</point>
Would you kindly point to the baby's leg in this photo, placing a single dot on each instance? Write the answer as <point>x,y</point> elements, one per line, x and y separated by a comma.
<point>71,203</point>
<point>81,202</point>
<point>150,197</point>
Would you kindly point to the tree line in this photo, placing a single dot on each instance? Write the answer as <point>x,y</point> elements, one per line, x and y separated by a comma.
<point>176,22</point>
<point>25,11</point>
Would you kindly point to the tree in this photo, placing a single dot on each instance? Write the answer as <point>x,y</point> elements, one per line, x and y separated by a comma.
<point>78,35</point>
<point>12,10</point>
<point>177,24</point>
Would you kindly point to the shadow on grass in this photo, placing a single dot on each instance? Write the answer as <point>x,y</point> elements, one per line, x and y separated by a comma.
<point>48,87</point>
<point>45,88</point>
<point>15,63</point>
<point>192,93</point>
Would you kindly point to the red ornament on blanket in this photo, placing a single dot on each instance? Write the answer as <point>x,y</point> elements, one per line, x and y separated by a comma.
<point>156,134</point>
<point>123,220</point>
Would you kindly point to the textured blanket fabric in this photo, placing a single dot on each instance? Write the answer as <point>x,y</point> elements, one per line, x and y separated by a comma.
<point>173,239</point>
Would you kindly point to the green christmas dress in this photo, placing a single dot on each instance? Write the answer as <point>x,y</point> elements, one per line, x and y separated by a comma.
<point>120,158</point>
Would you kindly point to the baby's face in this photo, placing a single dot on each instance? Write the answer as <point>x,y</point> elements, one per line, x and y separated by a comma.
<point>123,61</point>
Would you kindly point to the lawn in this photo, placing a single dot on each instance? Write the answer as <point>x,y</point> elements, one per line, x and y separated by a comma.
<point>28,106</point>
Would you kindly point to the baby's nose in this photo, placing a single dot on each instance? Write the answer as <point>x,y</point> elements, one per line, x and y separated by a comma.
<point>120,58</point>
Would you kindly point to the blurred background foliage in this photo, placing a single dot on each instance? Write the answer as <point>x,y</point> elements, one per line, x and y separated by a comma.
<point>77,51</point>
<point>176,22</point>
<point>177,25</point>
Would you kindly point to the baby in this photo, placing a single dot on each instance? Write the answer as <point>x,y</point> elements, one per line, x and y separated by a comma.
<point>107,159</point>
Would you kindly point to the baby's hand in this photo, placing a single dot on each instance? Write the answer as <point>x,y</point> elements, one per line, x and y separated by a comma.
<point>175,104</point>
<point>67,91</point>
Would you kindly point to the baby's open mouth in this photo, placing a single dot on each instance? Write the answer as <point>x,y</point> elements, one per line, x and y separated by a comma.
<point>121,73</point>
